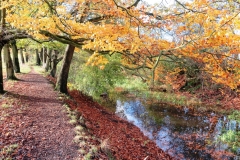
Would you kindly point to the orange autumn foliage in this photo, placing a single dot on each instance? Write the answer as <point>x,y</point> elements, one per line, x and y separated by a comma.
<point>202,30</point>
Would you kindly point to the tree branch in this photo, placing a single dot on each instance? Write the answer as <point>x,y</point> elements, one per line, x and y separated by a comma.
<point>134,4</point>
<point>100,18</point>
<point>187,8</point>
<point>63,39</point>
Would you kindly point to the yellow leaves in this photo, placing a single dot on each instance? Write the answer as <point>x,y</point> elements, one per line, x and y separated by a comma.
<point>102,67</point>
<point>134,47</point>
<point>203,32</point>
<point>227,81</point>
<point>112,37</point>
<point>227,76</point>
<point>30,17</point>
<point>97,60</point>
<point>181,29</point>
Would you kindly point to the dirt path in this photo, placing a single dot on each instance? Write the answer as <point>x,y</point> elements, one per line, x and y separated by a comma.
<point>33,124</point>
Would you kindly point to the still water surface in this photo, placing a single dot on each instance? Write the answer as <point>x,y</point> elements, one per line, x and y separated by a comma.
<point>179,133</point>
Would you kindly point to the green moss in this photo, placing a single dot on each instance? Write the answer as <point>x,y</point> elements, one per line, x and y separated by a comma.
<point>8,150</point>
<point>88,156</point>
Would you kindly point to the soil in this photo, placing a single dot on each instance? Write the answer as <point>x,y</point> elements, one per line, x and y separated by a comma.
<point>35,125</point>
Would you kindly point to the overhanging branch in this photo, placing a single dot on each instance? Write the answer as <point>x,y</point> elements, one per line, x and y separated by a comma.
<point>64,39</point>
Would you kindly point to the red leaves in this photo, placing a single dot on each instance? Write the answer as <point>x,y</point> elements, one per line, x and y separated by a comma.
<point>34,123</point>
<point>124,139</point>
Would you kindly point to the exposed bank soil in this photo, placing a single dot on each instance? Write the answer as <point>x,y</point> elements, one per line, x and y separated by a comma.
<point>33,125</point>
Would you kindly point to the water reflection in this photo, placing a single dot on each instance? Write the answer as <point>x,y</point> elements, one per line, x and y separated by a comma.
<point>180,134</point>
<point>136,113</point>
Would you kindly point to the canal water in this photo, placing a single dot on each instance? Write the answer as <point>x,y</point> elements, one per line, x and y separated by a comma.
<point>178,132</point>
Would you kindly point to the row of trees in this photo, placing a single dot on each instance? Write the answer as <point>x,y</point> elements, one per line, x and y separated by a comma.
<point>201,31</point>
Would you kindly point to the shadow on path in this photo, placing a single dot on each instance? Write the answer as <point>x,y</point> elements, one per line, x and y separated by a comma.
<point>40,128</point>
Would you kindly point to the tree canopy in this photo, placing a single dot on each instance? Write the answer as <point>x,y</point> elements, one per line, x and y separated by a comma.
<point>204,31</point>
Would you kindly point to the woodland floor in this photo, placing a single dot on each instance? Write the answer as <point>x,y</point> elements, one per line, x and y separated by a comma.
<point>32,117</point>
<point>35,125</point>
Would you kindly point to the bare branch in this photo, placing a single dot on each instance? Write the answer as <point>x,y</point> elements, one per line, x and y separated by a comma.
<point>157,17</point>
<point>127,11</point>
<point>100,18</point>
<point>134,5</point>
<point>187,8</point>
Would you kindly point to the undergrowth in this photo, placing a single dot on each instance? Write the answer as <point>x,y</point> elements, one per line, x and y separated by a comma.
<point>6,151</point>
<point>232,136</point>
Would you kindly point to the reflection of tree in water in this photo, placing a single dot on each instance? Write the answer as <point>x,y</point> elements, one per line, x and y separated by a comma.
<point>136,113</point>
<point>181,146</point>
<point>181,135</point>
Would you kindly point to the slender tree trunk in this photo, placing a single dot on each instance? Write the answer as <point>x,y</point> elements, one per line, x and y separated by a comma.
<point>4,57</point>
<point>3,24</point>
<point>54,68</point>
<point>44,59</point>
<point>26,57</point>
<point>15,56</point>
<point>54,63</point>
<point>47,65</point>
<point>41,55</point>
<point>48,61</point>
<point>21,55</point>
<point>1,72</point>
<point>63,76</point>
<point>38,60</point>
<point>9,64</point>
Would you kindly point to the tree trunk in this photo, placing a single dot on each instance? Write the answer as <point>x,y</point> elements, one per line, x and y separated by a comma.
<point>9,64</point>
<point>3,23</point>
<point>54,68</point>
<point>21,55</point>
<point>54,63</point>
<point>41,55</point>
<point>38,60</point>
<point>26,56</point>
<point>15,56</point>
<point>63,76</point>
<point>1,72</point>
<point>44,59</point>
<point>48,61</point>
